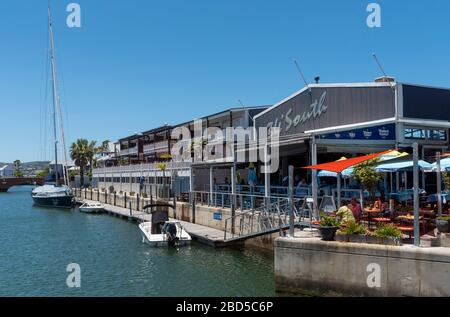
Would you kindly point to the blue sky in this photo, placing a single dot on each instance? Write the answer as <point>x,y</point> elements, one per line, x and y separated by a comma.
<point>137,64</point>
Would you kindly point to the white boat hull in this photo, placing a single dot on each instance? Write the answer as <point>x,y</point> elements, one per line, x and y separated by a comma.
<point>161,240</point>
<point>91,210</point>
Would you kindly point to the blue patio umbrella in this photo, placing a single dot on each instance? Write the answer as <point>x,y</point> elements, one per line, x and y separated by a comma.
<point>346,173</point>
<point>402,166</point>
<point>445,166</point>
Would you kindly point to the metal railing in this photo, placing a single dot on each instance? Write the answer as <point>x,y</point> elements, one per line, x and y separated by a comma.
<point>141,168</point>
<point>264,220</point>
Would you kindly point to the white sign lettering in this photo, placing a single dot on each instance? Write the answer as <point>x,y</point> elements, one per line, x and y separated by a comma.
<point>315,110</point>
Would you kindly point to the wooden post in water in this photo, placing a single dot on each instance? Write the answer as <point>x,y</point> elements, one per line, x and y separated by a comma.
<point>124,200</point>
<point>115,197</point>
<point>91,193</point>
<point>137,201</point>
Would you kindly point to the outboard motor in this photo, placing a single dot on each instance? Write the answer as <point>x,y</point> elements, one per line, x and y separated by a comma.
<point>171,231</point>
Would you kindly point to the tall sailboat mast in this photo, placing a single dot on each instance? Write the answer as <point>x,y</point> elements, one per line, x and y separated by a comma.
<point>56,105</point>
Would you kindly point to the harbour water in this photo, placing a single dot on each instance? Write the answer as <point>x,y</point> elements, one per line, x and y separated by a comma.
<point>37,245</point>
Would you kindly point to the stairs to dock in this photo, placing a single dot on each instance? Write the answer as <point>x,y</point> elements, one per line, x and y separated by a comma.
<point>266,219</point>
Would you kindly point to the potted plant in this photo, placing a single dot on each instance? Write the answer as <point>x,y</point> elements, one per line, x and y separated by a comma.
<point>443,224</point>
<point>328,227</point>
<point>355,233</point>
<point>388,235</point>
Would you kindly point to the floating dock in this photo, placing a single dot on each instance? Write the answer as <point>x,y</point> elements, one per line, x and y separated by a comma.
<point>202,234</point>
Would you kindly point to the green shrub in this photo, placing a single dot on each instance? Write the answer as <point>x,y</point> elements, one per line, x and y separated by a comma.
<point>144,195</point>
<point>353,228</point>
<point>386,231</point>
<point>443,218</point>
<point>132,193</point>
<point>329,222</point>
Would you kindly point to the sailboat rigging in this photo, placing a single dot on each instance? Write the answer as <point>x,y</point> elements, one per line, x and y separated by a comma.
<point>55,194</point>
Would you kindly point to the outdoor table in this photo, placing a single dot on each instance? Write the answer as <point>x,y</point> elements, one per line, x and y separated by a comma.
<point>410,218</point>
<point>382,220</point>
<point>370,213</point>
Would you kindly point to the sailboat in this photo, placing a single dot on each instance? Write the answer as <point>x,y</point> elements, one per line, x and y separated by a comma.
<point>55,192</point>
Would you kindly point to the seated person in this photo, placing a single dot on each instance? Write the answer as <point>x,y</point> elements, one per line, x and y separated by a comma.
<point>377,206</point>
<point>345,214</point>
<point>356,209</point>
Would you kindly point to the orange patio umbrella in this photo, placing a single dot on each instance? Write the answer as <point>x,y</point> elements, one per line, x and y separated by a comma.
<point>341,165</point>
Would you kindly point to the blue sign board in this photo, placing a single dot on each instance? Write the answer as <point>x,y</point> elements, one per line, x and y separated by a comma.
<point>217,216</point>
<point>382,132</point>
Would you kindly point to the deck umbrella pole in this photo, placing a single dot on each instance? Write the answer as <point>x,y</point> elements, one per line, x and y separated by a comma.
<point>314,177</point>
<point>439,183</point>
<point>397,182</point>
<point>416,195</point>
<point>392,183</point>
<point>339,190</point>
<point>291,201</point>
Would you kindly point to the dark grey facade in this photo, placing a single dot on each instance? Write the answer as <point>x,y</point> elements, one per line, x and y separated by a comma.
<point>330,106</point>
<point>426,103</point>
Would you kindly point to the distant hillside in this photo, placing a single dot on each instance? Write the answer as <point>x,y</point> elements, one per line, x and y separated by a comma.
<point>31,168</point>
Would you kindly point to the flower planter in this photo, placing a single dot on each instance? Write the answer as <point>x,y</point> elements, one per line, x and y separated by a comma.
<point>389,241</point>
<point>328,233</point>
<point>372,240</point>
<point>341,237</point>
<point>442,226</point>
<point>357,238</point>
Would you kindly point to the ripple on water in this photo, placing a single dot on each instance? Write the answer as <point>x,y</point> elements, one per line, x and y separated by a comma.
<point>39,243</point>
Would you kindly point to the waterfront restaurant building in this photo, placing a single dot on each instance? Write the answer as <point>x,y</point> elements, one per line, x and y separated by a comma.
<point>319,123</point>
<point>324,122</point>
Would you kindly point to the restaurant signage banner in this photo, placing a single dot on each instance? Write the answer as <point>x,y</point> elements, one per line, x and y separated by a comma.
<point>382,132</point>
<point>325,107</point>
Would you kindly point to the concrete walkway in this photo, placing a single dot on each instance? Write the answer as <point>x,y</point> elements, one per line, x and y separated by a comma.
<point>205,235</point>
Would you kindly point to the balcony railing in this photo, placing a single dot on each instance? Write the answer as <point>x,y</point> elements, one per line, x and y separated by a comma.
<point>141,167</point>
<point>156,147</point>
<point>130,151</point>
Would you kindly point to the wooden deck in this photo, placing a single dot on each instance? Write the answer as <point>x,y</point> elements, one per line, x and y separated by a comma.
<point>205,235</point>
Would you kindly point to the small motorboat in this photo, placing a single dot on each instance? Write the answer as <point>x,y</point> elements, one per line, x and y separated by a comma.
<point>92,208</point>
<point>172,234</point>
<point>161,232</point>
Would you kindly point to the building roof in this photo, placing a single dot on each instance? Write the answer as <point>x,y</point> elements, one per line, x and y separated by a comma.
<point>131,137</point>
<point>156,130</point>
<point>236,109</point>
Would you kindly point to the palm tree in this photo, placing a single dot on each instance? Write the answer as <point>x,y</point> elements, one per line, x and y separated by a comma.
<point>82,152</point>
<point>17,165</point>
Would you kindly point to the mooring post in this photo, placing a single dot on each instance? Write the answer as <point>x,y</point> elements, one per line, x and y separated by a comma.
<point>174,206</point>
<point>131,210</point>
<point>125,200</point>
<point>115,197</point>
<point>137,201</point>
